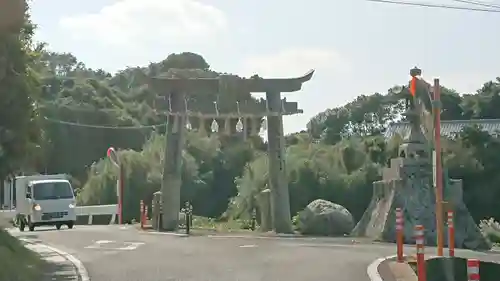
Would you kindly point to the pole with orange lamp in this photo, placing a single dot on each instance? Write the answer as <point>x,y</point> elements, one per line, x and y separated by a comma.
<point>437,161</point>
<point>436,106</point>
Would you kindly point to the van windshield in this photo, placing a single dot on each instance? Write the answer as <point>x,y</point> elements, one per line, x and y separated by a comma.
<point>52,190</point>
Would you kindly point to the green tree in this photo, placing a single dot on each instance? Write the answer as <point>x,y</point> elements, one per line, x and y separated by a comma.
<point>19,131</point>
<point>342,173</point>
<point>365,116</point>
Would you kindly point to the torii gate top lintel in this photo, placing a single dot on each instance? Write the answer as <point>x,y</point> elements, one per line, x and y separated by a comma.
<point>255,84</point>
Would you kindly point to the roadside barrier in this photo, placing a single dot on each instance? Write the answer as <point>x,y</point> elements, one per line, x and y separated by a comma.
<point>451,234</point>
<point>473,269</point>
<point>143,221</point>
<point>98,214</point>
<point>399,234</point>
<point>419,239</point>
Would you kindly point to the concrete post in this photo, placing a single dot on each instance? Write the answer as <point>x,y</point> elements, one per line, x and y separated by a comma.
<point>156,209</point>
<point>5,194</point>
<point>8,195</point>
<point>245,129</point>
<point>264,203</point>
<point>171,182</point>
<point>280,202</point>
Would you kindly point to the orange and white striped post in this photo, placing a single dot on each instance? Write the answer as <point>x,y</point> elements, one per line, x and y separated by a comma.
<point>145,214</point>
<point>473,269</point>
<point>399,234</point>
<point>142,214</point>
<point>419,239</point>
<point>451,234</point>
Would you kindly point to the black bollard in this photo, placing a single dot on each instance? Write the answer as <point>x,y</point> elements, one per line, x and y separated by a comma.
<point>187,216</point>
<point>159,218</point>
<point>190,215</point>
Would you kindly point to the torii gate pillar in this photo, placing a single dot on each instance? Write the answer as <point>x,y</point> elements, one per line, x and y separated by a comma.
<point>280,198</point>
<point>172,168</point>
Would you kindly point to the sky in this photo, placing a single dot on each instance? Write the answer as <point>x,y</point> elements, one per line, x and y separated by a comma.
<point>356,47</point>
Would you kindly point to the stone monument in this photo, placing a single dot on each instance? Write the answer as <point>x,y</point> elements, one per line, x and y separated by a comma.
<point>176,89</point>
<point>408,184</point>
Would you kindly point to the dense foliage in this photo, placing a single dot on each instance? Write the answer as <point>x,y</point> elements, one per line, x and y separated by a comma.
<point>224,173</point>
<point>59,116</point>
<point>19,89</point>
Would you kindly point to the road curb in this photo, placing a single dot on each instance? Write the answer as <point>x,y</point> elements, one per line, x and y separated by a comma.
<point>81,271</point>
<point>273,236</point>
<point>247,236</point>
<point>163,233</point>
<point>372,269</point>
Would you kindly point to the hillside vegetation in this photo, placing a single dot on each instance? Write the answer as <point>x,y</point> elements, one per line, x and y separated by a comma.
<point>222,174</point>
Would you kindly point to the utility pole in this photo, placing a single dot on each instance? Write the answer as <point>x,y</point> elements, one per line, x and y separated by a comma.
<point>436,106</point>
<point>437,156</point>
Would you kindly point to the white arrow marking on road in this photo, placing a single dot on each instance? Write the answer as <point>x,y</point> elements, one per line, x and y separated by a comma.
<point>97,244</point>
<point>131,246</point>
<point>122,246</point>
<point>103,242</point>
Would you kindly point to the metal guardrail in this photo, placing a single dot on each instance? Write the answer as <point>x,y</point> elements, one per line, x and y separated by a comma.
<point>89,211</point>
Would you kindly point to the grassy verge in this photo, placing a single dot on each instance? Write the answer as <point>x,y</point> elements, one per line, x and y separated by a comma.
<point>16,262</point>
<point>210,224</point>
<point>204,225</point>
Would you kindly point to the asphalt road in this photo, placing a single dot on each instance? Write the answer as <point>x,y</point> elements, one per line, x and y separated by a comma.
<point>114,253</point>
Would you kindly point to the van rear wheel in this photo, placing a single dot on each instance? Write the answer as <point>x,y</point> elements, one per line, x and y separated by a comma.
<point>31,226</point>
<point>22,225</point>
<point>58,226</point>
<point>70,225</point>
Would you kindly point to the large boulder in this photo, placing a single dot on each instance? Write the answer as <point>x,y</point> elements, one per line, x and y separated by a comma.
<point>322,217</point>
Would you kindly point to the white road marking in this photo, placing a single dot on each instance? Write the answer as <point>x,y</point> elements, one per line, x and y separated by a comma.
<point>248,246</point>
<point>109,245</point>
<point>131,246</point>
<point>81,271</point>
<point>103,242</point>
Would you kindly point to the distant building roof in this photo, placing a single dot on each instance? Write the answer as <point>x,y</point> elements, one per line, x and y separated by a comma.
<point>448,127</point>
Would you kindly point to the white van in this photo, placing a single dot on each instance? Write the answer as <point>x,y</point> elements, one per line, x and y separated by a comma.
<point>44,200</point>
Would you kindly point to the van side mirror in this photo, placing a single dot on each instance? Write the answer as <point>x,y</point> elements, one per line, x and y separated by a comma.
<point>28,195</point>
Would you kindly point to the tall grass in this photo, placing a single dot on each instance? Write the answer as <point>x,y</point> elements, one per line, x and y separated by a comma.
<point>16,262</point>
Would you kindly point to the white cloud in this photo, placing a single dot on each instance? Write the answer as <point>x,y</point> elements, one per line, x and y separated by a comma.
<point>295,62</point>
<point>136,23</point>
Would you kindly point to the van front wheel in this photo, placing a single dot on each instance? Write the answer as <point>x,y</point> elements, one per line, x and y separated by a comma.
<point>70,225</point>
<point>58,226</point>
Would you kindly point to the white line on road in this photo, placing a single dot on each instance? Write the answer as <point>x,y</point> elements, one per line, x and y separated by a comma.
<point>131,246</point>
<point>372,269</point>
<point>80,268</point>
<point>103,242</point>
<point>248,246</point>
